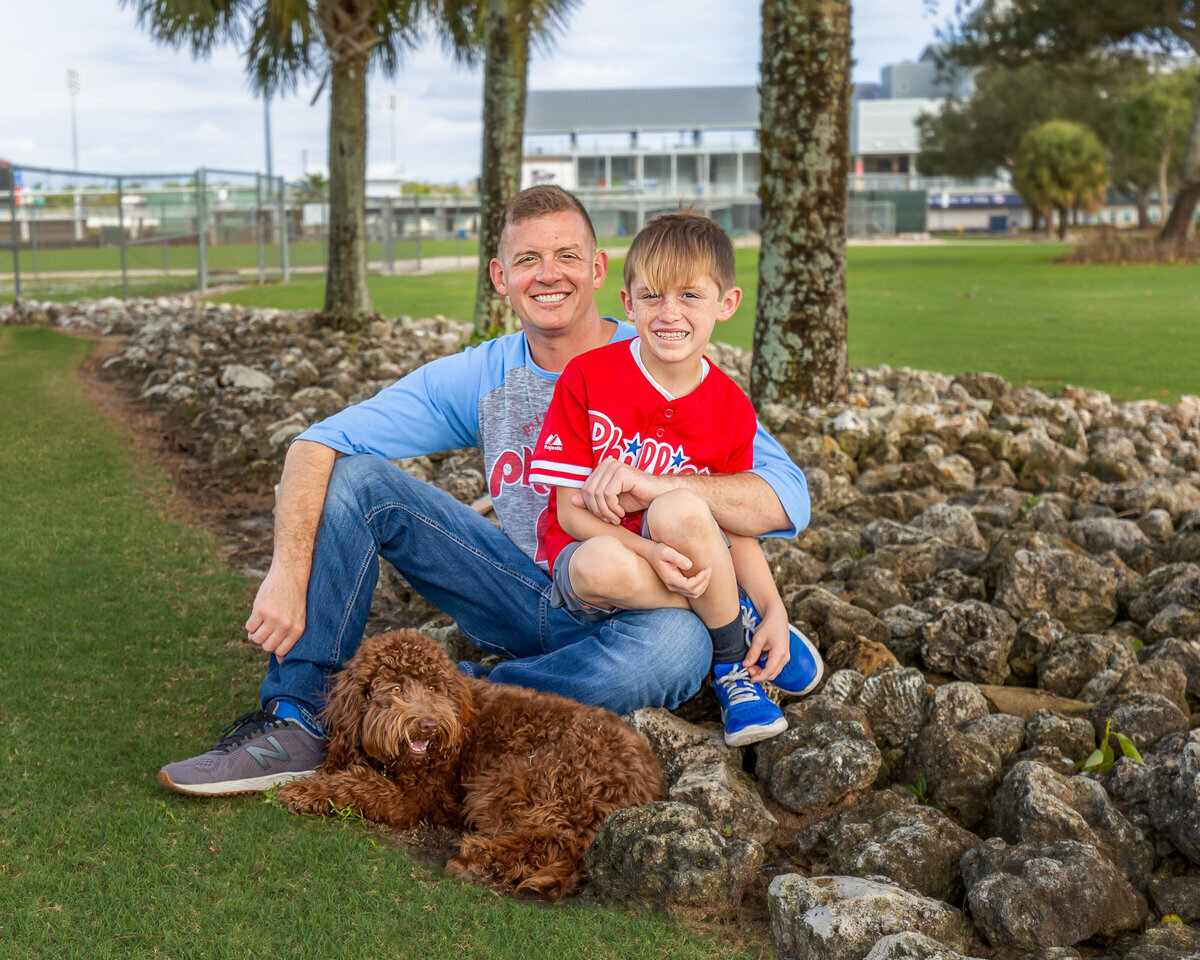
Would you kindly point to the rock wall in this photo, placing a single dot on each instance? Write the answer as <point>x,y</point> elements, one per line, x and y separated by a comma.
<point>994,576</point>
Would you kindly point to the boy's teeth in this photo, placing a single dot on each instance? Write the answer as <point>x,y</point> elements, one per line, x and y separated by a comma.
<point>671,335</point>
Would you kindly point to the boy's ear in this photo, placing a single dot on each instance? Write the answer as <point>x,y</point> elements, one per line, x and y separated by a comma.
<point>627,303</point>
<point>730,301</point>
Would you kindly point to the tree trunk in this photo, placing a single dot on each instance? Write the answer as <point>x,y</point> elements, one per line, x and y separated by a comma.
<point>349,40</point>
<point>506,45</point>
<point>800,330</point>
<point>1143,206</point>
<point>1062,222</point>
<point>1164,167</point>
<point>1174,234</point>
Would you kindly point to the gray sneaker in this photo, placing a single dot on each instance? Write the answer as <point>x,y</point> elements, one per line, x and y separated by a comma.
<point>257,751</point>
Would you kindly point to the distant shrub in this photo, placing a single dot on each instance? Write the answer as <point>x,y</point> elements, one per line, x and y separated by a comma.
<point>1127,246</point>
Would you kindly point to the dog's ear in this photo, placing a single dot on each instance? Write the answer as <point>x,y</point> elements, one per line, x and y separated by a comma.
<point>343,713</point>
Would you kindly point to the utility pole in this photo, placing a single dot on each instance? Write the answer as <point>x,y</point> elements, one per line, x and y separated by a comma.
<point>73,87</point>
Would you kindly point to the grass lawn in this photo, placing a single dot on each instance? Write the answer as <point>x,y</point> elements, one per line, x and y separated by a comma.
<point>121,645</point>
<point>64,290</point>
<point>1008,308</point>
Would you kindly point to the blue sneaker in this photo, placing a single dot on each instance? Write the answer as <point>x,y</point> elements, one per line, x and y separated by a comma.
<point>804,669</point>
<point>746,711</point>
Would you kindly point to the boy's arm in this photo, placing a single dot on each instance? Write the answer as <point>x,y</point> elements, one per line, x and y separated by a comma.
<point>754,576</point>
<point>668,564</point>
<point>771,498</point>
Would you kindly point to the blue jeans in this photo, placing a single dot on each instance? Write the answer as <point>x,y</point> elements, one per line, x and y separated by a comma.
<point>465,566</point>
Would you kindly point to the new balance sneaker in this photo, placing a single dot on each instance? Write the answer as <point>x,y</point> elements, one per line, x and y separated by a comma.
<point>257,751</point>
<point>804,669</point>
<point>747,712</point>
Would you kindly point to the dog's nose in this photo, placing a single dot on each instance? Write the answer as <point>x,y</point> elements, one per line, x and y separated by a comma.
<point>427,725</point>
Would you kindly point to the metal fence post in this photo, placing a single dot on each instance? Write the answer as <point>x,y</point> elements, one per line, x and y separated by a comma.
<point>201,231</point>
<point>121,239</point>
<point>33,243</point>
<point>389,241</point>
<point>417,208</point>
<point>16,236</point>
<point>283,235</point>
<point>258,228</point>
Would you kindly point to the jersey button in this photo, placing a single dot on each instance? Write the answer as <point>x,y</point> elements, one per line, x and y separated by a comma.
<point>668,413</point>
<point>659,433</point>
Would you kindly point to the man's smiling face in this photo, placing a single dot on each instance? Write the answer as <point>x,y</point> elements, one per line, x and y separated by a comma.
<point>549,269</point>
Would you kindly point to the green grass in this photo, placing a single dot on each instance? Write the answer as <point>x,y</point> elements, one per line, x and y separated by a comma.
<point>95,288</point>
<point>1008,308</point>
<point>120,648</point>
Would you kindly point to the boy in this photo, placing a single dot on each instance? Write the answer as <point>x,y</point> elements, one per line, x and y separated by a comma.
<point>656,403</point>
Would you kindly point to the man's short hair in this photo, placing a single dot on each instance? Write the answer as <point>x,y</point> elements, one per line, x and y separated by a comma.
<point>674,249</point>
<point>542,201</point>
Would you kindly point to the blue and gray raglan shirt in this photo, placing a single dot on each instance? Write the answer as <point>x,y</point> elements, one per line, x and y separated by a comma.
<point>495,397</point>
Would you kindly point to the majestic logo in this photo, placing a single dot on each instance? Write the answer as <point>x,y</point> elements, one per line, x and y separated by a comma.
<point>645,453</point>
<point>262,754</point>
<point>554,442</point>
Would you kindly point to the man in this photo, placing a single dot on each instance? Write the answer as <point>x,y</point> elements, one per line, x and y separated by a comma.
<point>341,505</point>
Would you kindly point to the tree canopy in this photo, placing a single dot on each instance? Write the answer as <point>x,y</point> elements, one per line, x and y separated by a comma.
<point>1060,166</point>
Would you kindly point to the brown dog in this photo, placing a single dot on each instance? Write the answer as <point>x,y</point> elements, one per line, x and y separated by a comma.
<point>529,776</point>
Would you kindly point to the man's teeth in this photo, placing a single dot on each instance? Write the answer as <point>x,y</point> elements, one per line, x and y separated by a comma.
<point>550,297</point>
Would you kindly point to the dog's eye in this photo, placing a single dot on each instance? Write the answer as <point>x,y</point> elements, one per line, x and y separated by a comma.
<point>396,688</point>
<point>433,688</point>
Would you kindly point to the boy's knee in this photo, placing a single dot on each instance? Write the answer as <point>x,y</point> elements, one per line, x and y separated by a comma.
<point>680,516</point>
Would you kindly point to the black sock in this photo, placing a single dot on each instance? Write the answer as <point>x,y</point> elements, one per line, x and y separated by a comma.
<point>729,642</point>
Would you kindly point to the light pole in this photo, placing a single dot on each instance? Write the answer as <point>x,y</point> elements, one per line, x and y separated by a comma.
<point>73,87</point>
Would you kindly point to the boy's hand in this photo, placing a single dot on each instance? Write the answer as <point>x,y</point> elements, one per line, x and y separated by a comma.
<point>614,488</point>
<point>772,638</point>
<point>669,564</point>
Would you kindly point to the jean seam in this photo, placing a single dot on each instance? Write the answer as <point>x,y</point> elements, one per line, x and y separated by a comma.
<point>352,601</point>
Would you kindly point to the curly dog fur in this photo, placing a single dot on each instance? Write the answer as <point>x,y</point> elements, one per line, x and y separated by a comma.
<point>530,777</point>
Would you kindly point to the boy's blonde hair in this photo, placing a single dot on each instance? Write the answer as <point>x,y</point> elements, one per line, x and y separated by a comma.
<point>675,249</point>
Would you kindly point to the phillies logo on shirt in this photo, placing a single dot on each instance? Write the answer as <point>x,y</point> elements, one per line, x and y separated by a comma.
<point>646,454</point>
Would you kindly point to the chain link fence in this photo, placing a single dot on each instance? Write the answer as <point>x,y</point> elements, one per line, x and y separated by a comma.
<point>866,219</point>
<point>181,231</point>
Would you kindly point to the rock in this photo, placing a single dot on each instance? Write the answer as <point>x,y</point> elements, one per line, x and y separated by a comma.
<point>971,640</point>
<point>1077,659</point>
<point>861,655</point>
<point>822,615</point>
<point>807,768</point>
<point>952,524</point>
<point>1162,675</point>
<point>664,854</point>
<point>1176,895</point>
<point>842,918</point>
<point>679,744</point>
<point>1042,460</point>
<point>996,506</point>
<point>1036,804</point>
<point>1003,732</point>
<point>725,796</point>
<point>1071,587</point>
<point>1102,534</point>
<point>915,846</point>
<point>1183,546</point>
<point>237,376</point>
<point>897,703</point>
<point>1174,800</point>
<point>1174,584</point>
<point>905,623</point>
<point>1145,718</point>
<point>1184,652</point>
<point>1035,637</point>
<point>961,773</point>
<point>956,703</point>
<point>954,585</point>
<point>1048,756</point>
<point>1072,737</point>
<point>911,946</point>
<point>876,589</point>
<point>1033,895</point>
<point>1171,940</point>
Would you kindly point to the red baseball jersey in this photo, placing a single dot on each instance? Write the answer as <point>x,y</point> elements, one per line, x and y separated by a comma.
<point>606,405</point>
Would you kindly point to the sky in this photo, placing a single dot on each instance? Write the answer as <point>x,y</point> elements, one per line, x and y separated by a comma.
<point>145,108</point>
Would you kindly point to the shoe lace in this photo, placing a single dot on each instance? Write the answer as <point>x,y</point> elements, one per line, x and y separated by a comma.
<point>739,688</point>
<point>246,727</point>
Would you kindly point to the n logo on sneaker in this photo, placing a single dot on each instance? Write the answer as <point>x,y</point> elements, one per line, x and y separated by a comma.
<point>262,754</point>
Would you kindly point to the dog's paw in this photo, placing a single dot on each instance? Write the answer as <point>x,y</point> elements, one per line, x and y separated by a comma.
<point>301,796</point>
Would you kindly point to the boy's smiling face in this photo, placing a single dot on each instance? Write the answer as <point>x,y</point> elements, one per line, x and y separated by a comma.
<point>675,325</point>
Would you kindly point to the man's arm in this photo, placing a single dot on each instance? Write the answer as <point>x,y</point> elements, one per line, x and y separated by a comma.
<point>278,617</point>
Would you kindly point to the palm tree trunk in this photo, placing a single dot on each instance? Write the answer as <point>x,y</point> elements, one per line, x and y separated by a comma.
<point>800,329</point>
<point>506,45</point>
<point>349,40</point>
<point>1174,234</point>
<point>1142,199</point>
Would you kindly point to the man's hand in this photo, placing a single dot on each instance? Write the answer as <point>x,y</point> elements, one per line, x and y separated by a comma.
<point>615,488</point>
<point>771,637</point>
<point>277,620</point>
<point>670,566</point>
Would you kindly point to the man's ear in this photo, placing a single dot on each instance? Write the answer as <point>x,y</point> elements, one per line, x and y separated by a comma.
<point>599,269</point>
<point>496,272</point>
<point>731,300</point>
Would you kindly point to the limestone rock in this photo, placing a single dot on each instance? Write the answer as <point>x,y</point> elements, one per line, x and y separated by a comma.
<point>971,640</point>
<point>1075,660</point>
<point>807,768</point>
<point>1071,587</point>
<point>1145,718</point>
<point>842,918</point>
<point>961,773</point>
<point>1073,737</point>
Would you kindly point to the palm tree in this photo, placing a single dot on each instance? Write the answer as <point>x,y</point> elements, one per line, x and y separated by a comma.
<point>800,329</point>
<point>503,31</point>
<point>312,186</point>
<point>339,40</point>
